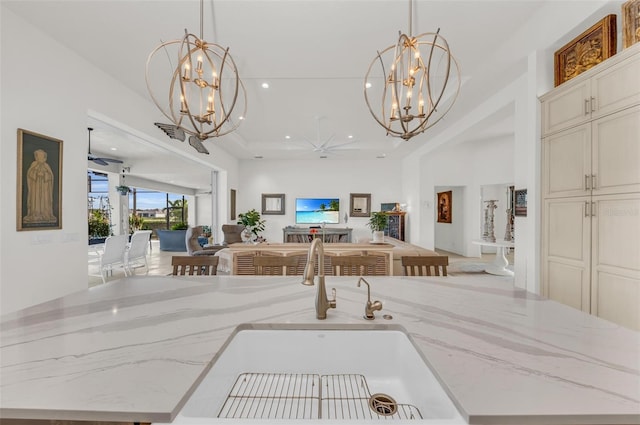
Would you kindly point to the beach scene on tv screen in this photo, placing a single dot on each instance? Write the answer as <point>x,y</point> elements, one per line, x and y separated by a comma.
<point>317,210</point>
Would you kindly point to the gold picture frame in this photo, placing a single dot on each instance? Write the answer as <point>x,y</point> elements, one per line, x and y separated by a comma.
<point>586,51</point>
<point>630,23</point>
<point>39,190</point>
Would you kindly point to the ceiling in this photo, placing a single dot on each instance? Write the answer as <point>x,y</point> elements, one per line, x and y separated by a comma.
<point>314,55</point>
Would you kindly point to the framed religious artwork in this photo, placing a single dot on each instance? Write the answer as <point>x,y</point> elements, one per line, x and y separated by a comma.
<point>586,51</point>
<point>444,206</point>
<point>39,191</point>
<point>630,23</point>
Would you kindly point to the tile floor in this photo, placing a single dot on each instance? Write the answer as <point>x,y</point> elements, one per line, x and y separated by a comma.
<point>160,263</point>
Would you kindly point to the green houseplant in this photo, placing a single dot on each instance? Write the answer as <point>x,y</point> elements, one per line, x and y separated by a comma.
<point>251,220</point>
<point>378,222</point>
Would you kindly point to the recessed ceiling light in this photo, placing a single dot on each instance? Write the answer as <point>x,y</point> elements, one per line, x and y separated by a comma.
<point>265,85</point>
<point>368,85</point>
<point>350,136</point>
<point>114,149</point>
<point>287,137</point>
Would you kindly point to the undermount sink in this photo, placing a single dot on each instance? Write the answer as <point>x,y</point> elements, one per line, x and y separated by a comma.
<point>275,373</point>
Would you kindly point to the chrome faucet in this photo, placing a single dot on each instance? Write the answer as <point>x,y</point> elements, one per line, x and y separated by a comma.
<point>370,307</point>
<point>322,302</point>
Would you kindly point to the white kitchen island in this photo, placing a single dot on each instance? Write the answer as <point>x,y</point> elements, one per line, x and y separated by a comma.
<point>135,349</point>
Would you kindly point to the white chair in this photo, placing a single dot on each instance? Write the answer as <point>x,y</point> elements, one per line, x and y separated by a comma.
<point>137,251</point>
<point>113,254</point>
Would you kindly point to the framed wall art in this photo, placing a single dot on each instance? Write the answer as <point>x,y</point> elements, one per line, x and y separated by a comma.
<point>630,23</point>
<point>273,203</point>
<point>39,191</point>
<point>521,203</point>
<point>587,50</point>
<point>232,204</point>
<point>360,205</point>
<point>444,206</point>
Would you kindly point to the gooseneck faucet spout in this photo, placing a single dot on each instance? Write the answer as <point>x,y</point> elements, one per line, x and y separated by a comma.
<point>322,302</point>
<point>370,307</point>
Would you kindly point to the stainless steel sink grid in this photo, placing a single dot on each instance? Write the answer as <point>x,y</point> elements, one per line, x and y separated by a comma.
<point>310,396</point>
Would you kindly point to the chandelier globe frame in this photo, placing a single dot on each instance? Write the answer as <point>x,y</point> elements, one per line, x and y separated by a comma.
<point>414,96</point>
<point>205,87</point>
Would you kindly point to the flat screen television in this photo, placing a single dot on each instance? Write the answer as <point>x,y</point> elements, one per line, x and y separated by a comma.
<point>317,210</point>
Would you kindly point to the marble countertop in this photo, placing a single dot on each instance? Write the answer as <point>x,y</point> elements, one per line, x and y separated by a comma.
<point>134,349</point>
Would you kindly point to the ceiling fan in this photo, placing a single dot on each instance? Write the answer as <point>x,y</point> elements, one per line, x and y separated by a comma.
<point>324,147</point>
<point>96,159</point>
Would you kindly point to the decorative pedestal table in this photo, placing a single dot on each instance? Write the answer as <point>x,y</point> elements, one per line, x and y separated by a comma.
<point>500,262</point>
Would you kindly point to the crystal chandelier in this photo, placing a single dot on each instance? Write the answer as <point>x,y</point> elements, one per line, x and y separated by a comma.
<point>421,85</point>
<point>206,97</point>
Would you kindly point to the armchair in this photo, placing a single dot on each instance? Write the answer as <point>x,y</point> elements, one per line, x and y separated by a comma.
<point>193,246</point>
<point>232,233</point>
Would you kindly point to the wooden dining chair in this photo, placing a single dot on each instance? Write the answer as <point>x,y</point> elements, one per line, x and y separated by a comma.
<point>355,265</point>
<point>203,265</point>
<point>423,265</point>
<point>275,266</point>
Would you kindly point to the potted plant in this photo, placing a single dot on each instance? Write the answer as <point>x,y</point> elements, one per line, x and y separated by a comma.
<point>123,190</point>
<point>180,226</point>
<point>378,222</point>
<point>252,222</point>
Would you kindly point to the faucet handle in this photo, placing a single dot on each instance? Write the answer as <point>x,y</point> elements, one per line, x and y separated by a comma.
<point>370,308</point>
<point>332,301</point>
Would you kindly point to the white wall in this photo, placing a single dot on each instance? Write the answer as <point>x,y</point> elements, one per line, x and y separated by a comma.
<point>51,91</point>
<point>470,166</point>
<point>308,179</point>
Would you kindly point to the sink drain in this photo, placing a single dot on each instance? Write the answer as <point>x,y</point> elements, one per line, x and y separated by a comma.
<point>383,404</point>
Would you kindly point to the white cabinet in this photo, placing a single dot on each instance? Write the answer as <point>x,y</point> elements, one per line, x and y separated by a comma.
<point>566,163</point>
<point>591,191</point>
<point>597,158</point>
<point>609,87</point>
<point>615,149</point>
<point>592,255</point>
<point>567,259</point>
<point>615,259</point>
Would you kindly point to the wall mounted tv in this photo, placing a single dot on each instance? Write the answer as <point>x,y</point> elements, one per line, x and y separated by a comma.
<point>317,210</point>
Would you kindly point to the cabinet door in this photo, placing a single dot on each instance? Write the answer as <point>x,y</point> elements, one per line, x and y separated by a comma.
<point>616,152</point>
<point>566,107</point>
<point>615,270</point>
<point>566,251</point>
<point>566,158</point>
<point>616,87</point>
<point>395,229</point>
